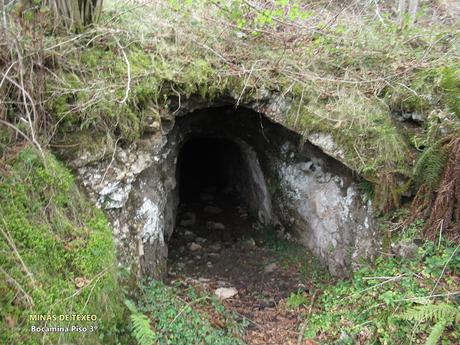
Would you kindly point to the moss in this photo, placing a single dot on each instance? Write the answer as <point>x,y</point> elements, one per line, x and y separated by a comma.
<point>60,239</point>
<point>347,82</point>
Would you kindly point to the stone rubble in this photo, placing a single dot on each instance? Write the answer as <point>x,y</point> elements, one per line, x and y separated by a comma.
<point>215,225</point>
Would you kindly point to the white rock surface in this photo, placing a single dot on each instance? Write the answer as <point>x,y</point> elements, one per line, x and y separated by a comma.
<point>225,293</point>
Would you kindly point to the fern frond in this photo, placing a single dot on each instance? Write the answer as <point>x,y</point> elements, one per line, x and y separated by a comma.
<point>430,165</point>
<point>436,332</point>
<point>434,312</point>
<point>142,330</point>
<point>131,306</point>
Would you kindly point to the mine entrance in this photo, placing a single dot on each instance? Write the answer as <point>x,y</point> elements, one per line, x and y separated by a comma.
<point>213,200</point>
<point>223,241</point>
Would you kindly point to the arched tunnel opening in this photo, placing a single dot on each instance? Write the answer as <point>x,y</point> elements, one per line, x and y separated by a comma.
<point>214,194</point>
<point>229,191</point>
<point>221,189</point>
<point>237,176</point>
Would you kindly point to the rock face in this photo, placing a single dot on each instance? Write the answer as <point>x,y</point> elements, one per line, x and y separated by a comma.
<point>282,179</point>
<point>327,214</point>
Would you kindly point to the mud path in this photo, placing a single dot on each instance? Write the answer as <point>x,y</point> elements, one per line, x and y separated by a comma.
<point>217,246</point>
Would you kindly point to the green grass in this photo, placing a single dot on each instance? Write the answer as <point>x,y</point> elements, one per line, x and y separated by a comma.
<point>50,231</point>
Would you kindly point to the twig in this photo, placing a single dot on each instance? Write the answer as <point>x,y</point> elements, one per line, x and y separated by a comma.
<point>19,287</point>
<point>188,305</point>
<point>379,284</point>
<point>26,96</point>
<point>98,277</point>
<point>128,70</point>
<point>10,242</point>
<point>245,84</point>
<point>111,161</point>
<point>298,108</point>
<point>6,73</point>
<point>305,323</point>
<point>17,130</point>
<point>444,269</point>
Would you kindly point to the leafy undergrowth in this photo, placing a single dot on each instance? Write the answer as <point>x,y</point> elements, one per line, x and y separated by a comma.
<point>177,317</point>
<point>57,256</point>
<point>394,301</point>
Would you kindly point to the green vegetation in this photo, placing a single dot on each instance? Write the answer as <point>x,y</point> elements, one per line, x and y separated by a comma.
<point>296,300</point>
<point>57,255</point>
<point>443,314</point>
<point>294,256</point>
<point>174,320</point>
<point>395,301</point>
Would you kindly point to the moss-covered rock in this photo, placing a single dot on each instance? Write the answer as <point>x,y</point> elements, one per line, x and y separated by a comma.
<point>57,256</point>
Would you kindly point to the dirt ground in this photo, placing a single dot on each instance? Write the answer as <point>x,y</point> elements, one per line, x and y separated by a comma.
<point>230,252</point>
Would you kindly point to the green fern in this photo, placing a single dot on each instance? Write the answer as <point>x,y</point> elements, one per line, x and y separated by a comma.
<point>442,314</point>
<point>430,165</point>
<point>141,329</point>
<point>450,82</point>
<point>436,332</point>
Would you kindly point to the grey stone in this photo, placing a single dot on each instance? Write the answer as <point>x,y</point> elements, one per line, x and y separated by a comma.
<point>194,247</point>
<point>215,247</point>
<point>405,249</point>
<point>270,268</point>
<point>215,225</point>
<point>189,234</point>
<point>250,242</point>
<point>200,239</point>
<point>225,293</point>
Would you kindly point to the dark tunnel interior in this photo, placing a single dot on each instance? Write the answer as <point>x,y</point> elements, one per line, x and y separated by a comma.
<point>209,165</point>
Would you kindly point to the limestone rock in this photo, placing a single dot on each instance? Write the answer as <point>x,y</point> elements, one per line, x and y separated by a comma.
<point>225,293</point>
<point>194,247</point>
<point>250,242</point>
<point>405,249</point>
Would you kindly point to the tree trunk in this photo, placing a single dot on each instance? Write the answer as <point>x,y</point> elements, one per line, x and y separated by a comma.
<point>401,11</point>
<point>76,14</point>
<point>404,10</point>
<point>413,6</point>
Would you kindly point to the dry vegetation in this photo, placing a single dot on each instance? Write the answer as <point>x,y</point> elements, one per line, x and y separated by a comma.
<point>343,69</point>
